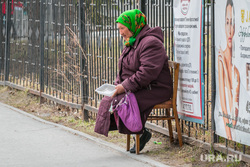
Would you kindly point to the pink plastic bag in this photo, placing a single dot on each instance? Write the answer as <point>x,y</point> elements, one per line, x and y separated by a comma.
<point>129,112</point>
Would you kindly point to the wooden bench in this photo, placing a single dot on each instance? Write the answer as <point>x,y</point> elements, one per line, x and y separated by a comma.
<point>170,104</point>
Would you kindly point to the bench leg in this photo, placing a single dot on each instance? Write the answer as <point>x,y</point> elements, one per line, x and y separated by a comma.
<point>128,142</point>
<point>137,145</point>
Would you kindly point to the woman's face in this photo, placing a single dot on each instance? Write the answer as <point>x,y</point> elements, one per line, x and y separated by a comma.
<point>229,27</point>
<point>124,31</point>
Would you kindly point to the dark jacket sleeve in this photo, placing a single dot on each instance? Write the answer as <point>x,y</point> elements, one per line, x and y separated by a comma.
<point>152,57</point>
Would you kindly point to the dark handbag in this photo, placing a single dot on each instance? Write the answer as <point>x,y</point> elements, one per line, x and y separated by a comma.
<point>129,112</point>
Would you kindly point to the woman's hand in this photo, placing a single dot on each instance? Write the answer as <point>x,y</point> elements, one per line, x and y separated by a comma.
<point>119,90</point>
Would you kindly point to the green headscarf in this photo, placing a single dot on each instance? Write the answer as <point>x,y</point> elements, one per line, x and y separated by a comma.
<point>134,20</point>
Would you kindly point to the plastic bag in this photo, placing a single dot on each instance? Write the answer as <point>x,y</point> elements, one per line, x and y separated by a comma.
<point>129,112</point>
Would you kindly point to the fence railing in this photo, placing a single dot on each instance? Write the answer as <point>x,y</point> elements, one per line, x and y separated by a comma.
<point>63,50</point>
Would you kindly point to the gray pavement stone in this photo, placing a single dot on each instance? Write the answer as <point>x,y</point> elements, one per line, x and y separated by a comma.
<point>28,141</point>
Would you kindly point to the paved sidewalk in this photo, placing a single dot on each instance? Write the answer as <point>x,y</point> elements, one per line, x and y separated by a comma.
<point>28,141</point>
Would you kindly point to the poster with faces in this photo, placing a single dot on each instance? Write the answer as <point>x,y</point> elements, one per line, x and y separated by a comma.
<point>232,67</point>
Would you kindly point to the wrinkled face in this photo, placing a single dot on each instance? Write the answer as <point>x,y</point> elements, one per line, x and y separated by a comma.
<point>124,31</point>
<point>229,27</point>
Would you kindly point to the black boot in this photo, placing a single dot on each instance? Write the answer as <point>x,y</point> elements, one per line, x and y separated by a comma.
<point>146,136</point>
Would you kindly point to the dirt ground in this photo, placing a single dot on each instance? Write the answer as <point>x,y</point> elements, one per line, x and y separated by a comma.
<point>163,151</point>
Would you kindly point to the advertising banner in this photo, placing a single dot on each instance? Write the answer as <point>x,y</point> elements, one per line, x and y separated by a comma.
<point>188,51</point>
<point>232,58</point>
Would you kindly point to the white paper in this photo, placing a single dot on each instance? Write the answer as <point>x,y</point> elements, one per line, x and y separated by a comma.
<point>106,90</point>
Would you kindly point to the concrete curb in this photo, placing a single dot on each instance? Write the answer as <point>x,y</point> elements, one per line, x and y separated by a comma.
<point>141,158</point>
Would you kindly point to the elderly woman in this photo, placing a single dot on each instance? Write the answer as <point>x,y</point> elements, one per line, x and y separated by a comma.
<point>143,70</point>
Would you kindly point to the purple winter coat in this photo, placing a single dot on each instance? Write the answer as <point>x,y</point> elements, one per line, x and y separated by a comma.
<point>143,70</point>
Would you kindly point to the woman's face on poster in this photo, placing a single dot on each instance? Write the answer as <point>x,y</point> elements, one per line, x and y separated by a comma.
<point>229,27</point>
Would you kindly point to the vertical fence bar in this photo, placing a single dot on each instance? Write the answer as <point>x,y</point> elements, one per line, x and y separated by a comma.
<point>105,79</point>
<point>87,26</point>
<point>98,47</point>
<point>213,89</point>
<point>30,50</point>
<point>47,46</point>
<point>169,31</point>
<point>112,24</point>
<point>37,47</point>
<point>60,35</point>
<point>56,47</point>
<point>82,58</point>
<point>63,47</point>
<point>41,49</point>
<point>53,47</point>
<point>143,6</point>
<point>205,72</point>
<point>64,22</point>
<point>171,16</point>
<point>82,42</point>
<point>7,41</point>
<point>95,52</point>
<point>1,41</point>
<point>109,40</point>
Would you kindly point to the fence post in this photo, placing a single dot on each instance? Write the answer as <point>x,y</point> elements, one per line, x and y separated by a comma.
<point>7,41</point>
<point>1,40</point>
<point>142,6</point>
<point>213,135</point>
<point>41,78</point>
<point>83,66</point>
